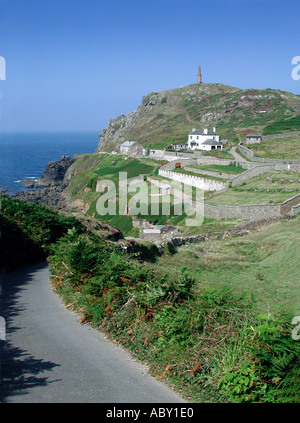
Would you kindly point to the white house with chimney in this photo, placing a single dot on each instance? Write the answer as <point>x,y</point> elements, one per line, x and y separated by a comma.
<point>204,140</point>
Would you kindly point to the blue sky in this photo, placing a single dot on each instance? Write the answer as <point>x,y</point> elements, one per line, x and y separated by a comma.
<point>74,65</point>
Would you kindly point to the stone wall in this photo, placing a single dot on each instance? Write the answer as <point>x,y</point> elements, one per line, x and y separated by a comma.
<point>183,162</point>
<point>251,170</point>
<point>205,161</point>
<point>254,211</point>
<point>251,211</point>
<point>249,154</point>
<point>251,173</point>
<point>246,212</point>
<point>295,210</point>
<point>210,173</point>
<point>196,181</point>
<point>290,167</point>
<point>278,136</point>
<point>288,204</point>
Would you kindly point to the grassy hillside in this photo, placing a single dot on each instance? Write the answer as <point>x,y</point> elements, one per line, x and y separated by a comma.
<point>89,170</point>
<point>212,319</point>
<point>92,169</point>
<point>168,116</point>
<point>281,148</point>
<point>262,264</point>
<point>268,188</point>
<point>281,126</point>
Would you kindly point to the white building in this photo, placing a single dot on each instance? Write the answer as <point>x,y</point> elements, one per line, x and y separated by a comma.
<point>131,148</point>
<point>204,140</point>
<point>165,189</point>
<point>253,139</point>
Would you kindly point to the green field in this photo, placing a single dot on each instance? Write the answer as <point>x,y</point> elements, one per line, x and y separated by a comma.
<point>264,264</point>
<point>282,148</point>
<point>92,168</point>
<point>230,169</point>
<point>270,188</point>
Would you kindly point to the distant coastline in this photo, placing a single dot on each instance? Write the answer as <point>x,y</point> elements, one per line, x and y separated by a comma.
<point>24,156</point>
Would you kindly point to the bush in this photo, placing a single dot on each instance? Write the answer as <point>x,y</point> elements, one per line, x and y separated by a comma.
<point>28,230</point>
<point>271,371</point>
<point>205,338</point>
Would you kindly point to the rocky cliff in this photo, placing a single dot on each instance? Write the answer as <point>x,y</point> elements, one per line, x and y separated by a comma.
<point>51,185</point>
<point>168,116</point>
<point>55,172</point>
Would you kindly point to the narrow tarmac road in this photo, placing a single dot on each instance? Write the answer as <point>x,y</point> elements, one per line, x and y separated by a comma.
<point>49,357</point>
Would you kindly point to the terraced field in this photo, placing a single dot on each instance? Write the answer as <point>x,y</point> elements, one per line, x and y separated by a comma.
<point>268,188</point>
<point>282,148</point>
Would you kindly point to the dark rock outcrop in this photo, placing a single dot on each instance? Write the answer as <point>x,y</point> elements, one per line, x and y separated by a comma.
<point>55,172</point>
<point>50,185</point>
<point>48,196</point>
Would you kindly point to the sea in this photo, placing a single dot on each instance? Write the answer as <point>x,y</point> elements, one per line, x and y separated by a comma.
<point>24,156</point>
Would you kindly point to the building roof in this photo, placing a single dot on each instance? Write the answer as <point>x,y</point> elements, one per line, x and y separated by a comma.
<point>151,231</point>
<point>211,142</point>
<point>127,144</point>
<point>199,132</point>
<point>253,136</point>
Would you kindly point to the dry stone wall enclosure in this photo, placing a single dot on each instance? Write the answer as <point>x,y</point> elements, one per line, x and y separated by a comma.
<point>250,156</point>
<point>279,136</point>
<point>245,212</point>
<point>251,173</point>
<point>195,181</point>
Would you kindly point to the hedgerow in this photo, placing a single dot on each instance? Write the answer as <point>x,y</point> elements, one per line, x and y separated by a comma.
<point>207,343</point>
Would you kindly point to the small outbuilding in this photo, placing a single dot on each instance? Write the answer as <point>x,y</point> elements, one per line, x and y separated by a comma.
<point>165,189</point>
<point>253,139</point>
<point>131,148</point>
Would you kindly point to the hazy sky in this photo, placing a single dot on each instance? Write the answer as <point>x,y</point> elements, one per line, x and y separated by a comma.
<point>74,65</point>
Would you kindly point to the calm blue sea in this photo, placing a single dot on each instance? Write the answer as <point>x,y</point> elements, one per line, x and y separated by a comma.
<point>25,156</point>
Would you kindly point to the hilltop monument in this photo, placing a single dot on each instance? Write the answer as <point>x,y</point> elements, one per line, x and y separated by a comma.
<point>199,77</point>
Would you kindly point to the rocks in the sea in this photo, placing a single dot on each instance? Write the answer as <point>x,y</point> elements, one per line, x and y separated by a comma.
<point>55,172</point>
<point>28,184</point>
<point>50,185</point>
